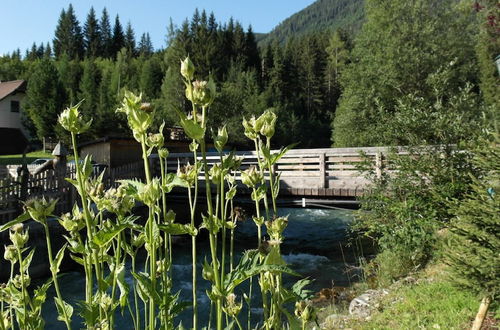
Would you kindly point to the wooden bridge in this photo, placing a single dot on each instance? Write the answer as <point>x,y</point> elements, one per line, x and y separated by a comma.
<point>332,172</point>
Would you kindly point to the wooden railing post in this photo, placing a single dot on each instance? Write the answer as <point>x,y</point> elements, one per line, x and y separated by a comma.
<point>322,170</point>
<point>378,165</point>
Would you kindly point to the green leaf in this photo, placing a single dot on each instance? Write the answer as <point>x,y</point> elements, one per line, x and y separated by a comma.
<point>27,260</point>
<point>103,237</point>
<point>40,294</point>
<point>145,287</point>
<point>62,308</point>
<point>192,129</point>
<point>122,285</point>
<point>277,156</point>
<point>23,217</point>
<point>173,229</point>
<point>58,260</point>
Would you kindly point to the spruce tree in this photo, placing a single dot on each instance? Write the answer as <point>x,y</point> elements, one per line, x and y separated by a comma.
<point>92,35</point>
<point>151,78</point>
<point>68,36</point>
<point>130,40</point>
<point>487,49</point>
<point>145,45</point>
<point>118,40</point>
<point>106,35</point>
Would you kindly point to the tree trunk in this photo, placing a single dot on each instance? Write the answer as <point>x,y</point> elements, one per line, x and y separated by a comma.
<point>481,314</point>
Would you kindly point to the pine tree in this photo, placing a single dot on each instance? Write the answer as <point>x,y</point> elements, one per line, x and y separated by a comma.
<point>118,40</point>
<point>68,36</point>
<point>92,35</point>
<point>252,51</point>
<point>130,40</point>
<point>145,45</point>
<point>70,72</point>
<point>45,98</point>
<point>48,51</point>
<point>106,35</point>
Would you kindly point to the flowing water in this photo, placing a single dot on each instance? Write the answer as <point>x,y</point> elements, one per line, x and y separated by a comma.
<point>314,246</point>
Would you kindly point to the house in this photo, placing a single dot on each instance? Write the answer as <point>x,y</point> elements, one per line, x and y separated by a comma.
<point>116,151</point>
<point>12,136</point>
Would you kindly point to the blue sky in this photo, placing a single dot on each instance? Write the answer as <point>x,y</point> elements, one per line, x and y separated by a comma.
<point>26,21</point>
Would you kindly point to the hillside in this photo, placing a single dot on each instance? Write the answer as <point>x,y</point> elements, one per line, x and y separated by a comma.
<point>321,15</point>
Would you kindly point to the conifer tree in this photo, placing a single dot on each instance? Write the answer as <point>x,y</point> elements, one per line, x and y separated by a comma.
<point>68,36</point>
<point>145,45</point>
<point>487,49</point>
<point>118,40</point>
<point>130,39</point>
<point>106,35</point>
<point>151,78</point>
<point>92,35</point>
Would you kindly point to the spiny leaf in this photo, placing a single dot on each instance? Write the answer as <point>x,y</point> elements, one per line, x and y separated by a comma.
<point>23,217</point>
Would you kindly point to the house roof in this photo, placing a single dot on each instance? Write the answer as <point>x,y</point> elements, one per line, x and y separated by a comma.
<point>9,87</point>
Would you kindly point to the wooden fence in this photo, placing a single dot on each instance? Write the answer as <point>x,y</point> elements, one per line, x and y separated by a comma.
<point>14,191</point>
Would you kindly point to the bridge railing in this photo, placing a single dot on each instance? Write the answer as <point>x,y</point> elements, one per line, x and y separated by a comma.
<point>314,171</point>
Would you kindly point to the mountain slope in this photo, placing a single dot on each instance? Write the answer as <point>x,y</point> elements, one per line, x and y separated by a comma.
<point>321,15</point>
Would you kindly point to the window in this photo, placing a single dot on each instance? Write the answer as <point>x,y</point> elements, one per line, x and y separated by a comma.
<point>14,106</point>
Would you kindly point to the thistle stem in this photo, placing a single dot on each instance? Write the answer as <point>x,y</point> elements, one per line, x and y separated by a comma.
<point>53,270</point>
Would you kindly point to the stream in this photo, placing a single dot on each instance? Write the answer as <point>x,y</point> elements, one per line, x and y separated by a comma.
<point>314,246</point>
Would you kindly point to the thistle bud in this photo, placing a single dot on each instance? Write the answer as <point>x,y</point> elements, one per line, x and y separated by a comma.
<point>17,236</point>
<point>40,209</point>
<point>155,140</point>
<point>72,121</point>
<point>268,124</point>
<point>249,126</point>
<point>207,272</point>
<point>221,139</point>
<point>187,69</point>
<point>10,253</point>
<point>232,307</point>
<point>251,177</point>
<point>215,173</point>
<point>163,153</point>
<point>203,93</point>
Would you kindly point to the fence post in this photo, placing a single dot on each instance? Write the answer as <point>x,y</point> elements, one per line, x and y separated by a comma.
<point>378,165</point>
<point>322,170</point>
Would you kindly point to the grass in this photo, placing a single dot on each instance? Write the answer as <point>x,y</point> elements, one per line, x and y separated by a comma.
<point>433,302</point>
<point>431,305</point>
<point>18,159</point>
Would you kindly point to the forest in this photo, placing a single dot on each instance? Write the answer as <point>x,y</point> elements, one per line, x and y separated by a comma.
<point>97,61</point>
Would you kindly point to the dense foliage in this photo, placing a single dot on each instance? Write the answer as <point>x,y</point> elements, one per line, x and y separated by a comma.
<point>396,56</point>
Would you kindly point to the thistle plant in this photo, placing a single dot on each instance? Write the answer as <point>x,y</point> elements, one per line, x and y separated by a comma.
<point>103,237</point>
